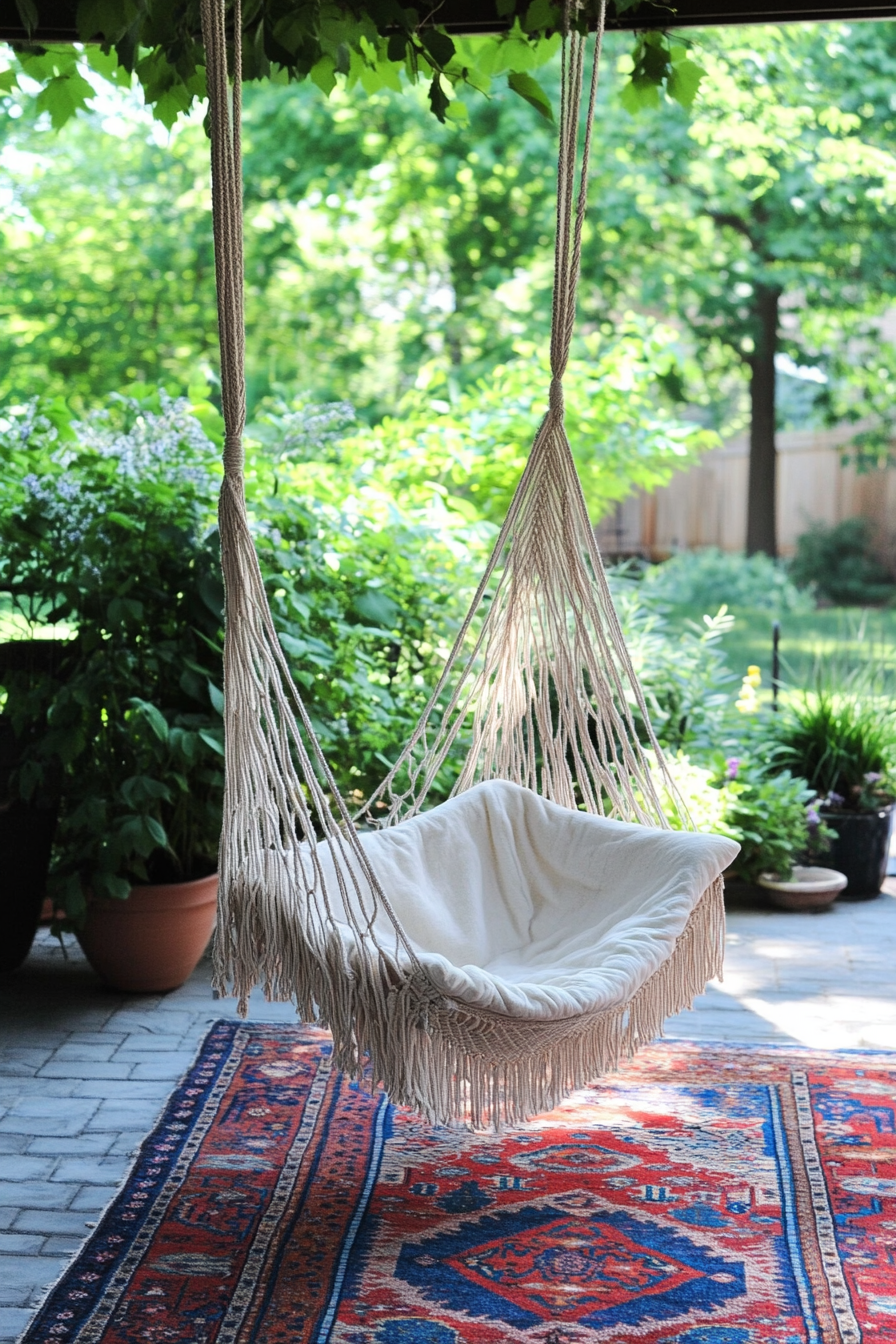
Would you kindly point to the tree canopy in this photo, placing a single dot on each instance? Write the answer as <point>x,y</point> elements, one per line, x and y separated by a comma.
<point>765,221</point>
<point>387,253</point>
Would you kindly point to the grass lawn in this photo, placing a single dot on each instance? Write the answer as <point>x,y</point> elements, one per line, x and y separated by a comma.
<point>840,638</point>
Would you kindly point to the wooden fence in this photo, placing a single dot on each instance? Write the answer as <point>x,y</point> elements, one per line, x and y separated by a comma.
<point>707,505</point>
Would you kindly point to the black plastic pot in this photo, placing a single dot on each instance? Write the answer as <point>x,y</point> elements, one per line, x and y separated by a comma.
<point>860,850</point>
<point>26,828</point>
<point>26,838</point>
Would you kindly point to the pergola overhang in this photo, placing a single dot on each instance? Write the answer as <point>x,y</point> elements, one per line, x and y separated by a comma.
<point>57,19</point>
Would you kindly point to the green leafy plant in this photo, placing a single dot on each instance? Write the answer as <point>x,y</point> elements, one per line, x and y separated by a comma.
<point>772,816</point>
<point>111,534</point>
<point>472,444</point>
<point>373,45</point>
<point>770,813</point>
<point>682,669</point>
<point>365,595</point>
<point>840,564</point>
<point>842,741</point>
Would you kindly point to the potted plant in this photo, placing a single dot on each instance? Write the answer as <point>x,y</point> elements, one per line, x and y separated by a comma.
<point>771,814</point>
<point>110,529</point>
<point>844,744</point>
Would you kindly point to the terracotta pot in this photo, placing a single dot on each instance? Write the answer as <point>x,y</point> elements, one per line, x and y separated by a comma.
<point>151,942</point>
<point>808,889</point>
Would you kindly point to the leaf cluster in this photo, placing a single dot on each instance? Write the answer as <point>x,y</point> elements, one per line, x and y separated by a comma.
<point>373,44</point>
<point>767,813</point>
<point>843,742</point>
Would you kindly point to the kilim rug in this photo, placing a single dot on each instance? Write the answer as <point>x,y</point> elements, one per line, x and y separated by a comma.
<point>704,1195</point>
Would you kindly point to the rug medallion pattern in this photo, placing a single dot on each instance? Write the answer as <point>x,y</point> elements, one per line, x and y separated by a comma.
<point>703,1195</point>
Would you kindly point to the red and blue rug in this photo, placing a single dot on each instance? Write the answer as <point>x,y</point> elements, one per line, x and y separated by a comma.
<point>704,1195</point>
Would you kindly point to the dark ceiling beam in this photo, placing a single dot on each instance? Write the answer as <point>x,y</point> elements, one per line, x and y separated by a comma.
<point>57,17</point>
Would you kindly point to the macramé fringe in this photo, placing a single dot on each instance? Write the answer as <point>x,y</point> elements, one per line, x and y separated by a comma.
<point>446,1060</point>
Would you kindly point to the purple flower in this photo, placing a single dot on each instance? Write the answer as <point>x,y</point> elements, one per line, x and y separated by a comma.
<point>732,765</point>
<point>873,777</point>
<point>813,820</point>
<point>835,799</point>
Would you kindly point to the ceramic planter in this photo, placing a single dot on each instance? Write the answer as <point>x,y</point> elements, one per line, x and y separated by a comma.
<point>151,942</point>
<point>860,850</point>
<point>808,889</point>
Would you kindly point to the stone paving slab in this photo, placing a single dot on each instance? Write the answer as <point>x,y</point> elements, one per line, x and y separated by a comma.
<point>85,1072</point>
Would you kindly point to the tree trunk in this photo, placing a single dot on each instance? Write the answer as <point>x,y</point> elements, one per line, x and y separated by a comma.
<point>762,532</point>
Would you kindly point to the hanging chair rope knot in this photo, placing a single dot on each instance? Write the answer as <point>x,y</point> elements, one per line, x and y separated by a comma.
<point>541,690</point>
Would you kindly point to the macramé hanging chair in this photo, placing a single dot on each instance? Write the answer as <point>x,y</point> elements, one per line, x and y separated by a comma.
<point>486,956</point>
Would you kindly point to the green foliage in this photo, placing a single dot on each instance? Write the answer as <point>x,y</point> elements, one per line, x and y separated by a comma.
<point>105,526</point>
<point>708,578</point>
<point>768,812</point>
<point>658,62</point>
<point>779,183</point>
<point>843,742</point>
<point>683,671</point>
<point>372,45</point>
<point>365,595</point>
<point>839,563</point>
<point>471,445</point>
<point>108,276</point>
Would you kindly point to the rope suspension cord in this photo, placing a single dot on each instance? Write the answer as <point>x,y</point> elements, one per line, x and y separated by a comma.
<point>541,682</point>
<point>590,745</point>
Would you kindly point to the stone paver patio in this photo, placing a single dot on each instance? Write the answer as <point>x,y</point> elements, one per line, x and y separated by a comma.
<point>84,1072</point>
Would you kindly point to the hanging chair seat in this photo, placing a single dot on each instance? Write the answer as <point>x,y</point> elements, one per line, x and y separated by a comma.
<point>517,906</point>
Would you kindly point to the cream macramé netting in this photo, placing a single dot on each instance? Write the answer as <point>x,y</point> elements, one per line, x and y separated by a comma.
<point>541,680</point>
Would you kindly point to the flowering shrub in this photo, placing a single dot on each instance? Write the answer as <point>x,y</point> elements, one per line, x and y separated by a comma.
<point>111,533</point>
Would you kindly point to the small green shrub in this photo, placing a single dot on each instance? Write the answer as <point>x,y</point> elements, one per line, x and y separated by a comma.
<point>709,578</point>
<point>772,816</point>
<point>842,742</point>
<point>840,564</point>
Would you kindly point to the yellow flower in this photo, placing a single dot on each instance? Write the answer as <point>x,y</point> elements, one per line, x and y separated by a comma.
<point>748,701</point>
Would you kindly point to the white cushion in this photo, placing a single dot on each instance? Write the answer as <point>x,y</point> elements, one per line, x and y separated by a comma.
<point>518,905</point>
